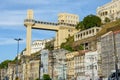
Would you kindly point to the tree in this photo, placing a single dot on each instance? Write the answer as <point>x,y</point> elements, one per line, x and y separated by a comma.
<point>46,77</point>
<point>91,21</point>
<point>4,64</point>
<point>80,26</point>
<point>68,44</point>
<point>106,20</point>
<point>78,47</point>
<point>50,45</point>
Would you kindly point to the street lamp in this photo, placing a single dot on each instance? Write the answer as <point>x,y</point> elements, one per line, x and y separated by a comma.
<point>17,39</point>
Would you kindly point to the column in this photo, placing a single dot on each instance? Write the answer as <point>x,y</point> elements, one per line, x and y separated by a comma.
<point>28,40</point>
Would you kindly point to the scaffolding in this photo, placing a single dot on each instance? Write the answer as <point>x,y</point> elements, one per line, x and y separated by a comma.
<point>108,52</point>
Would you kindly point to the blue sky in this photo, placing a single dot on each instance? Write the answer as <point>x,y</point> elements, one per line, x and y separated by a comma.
<point>13,13</point>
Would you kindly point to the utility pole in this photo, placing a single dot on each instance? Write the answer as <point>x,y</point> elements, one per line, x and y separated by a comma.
<point>116,57</point>
<point>17,39</point>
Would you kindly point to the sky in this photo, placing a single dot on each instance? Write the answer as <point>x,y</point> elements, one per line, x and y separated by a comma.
<point>13,13</point>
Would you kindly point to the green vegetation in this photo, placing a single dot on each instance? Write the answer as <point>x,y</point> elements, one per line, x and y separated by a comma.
<point>108,25</point>
<point>78,47</point>
<point>4,64</point>
<point>68,45</point>
<point>88,22</point>
<point>107,20</point>
<point>46,77</point>
<point>50,45</point>
<point>80,26</point>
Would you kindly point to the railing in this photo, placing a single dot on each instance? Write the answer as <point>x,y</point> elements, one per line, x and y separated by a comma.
<point>48,23</point>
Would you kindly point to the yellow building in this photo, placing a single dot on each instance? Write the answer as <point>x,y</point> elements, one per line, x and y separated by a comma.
<point>79,59</point>
<point>64,28</point>
<point>68,18</point>
<point>70,65</point>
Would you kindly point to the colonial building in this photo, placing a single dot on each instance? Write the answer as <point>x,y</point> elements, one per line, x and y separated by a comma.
<point>38,45</point>
<point>34,69</point>
<point>68,18</point>
<point>60,64</point>
<point>110,49</point>
<point>110,10</point>
<point>79,64</point>
<point>3,74</point>
<point>87,38</point>
<point>91,65</point>
<point>70,65</point>
<point>11,71</point>
<point>86,33</point>
<point>44,62</point>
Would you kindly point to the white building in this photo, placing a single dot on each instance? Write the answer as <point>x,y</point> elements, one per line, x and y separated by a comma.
<point>110,10</point>
<point>86,33</point>
<point>44,62</point>
<point>60,64</point>
<point>91,66</point>
<point>38,45</point>
<point>79,64</point>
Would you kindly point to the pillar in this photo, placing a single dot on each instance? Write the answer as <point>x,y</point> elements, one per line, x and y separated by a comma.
<point>29,23</point>
<point>28,40</point>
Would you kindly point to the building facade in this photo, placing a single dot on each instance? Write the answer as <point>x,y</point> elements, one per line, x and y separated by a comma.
<point>110,48</point>
<point>60,66</point>
<point>44,62</point>
<point>34,69</point>
<point>107,54</point>
<point>86,33</point>
<point>87,38</point>
<point>38,45</point>
<point>110,10</point>
<point>3,74</point>
<point>11,71</point>
<point>91,65</point>
<point>79,59</point>
<point>70,65</point>
<point>68,18</point>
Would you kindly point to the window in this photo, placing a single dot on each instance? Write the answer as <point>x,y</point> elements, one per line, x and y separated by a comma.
<point>92,30</point>
<point>62,20</point>
<point>97,30</point>
<point>89,31</point>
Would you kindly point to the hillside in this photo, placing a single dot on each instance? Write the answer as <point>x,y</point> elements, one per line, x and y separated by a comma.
<point>109,26</point>
<point>105,28</point>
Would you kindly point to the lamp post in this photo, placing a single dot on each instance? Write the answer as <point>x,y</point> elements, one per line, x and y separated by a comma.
<point>17,39</point>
